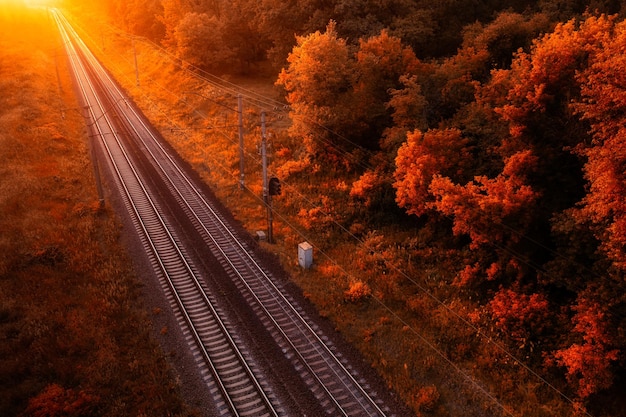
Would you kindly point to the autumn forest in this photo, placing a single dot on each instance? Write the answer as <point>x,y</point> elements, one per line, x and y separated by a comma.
<point>475,151</point>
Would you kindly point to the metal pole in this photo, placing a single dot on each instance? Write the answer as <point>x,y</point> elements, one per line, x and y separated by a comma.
<point>270,220</point>
<point>56,66</point>
<point>96,169</point>
<point>266,197</point>
<point>241,162</point>
<point>136,66</point>
<point>94,158</point>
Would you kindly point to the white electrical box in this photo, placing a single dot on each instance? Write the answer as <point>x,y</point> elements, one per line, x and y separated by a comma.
<point>305,255</point>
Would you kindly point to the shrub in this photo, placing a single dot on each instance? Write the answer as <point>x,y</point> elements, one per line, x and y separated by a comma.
<point>519,315</point>
<point>426,398</point>
<point>358,291</point>
<point>56,401</point>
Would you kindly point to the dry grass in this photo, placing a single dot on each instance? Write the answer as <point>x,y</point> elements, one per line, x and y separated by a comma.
<point>73,332</point>
<point>369,284</point>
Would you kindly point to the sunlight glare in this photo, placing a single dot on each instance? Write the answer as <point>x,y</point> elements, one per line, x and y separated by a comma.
<point>50,3</point>
<point>30,3</point>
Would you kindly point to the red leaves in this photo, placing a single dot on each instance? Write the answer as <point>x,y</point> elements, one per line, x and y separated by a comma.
<point>365,187</point>
<point>603,86</point>
<point>589,365</point>
<point>56,401</point>
<point>521,316</point>
<point>547,75</point>
<point>477,208</point>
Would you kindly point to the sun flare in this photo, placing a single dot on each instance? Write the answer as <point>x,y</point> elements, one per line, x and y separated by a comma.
<point>31,3</point>
<point>49,3</point>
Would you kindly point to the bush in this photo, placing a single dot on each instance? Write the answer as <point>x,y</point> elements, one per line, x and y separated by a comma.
<point>358,291</point>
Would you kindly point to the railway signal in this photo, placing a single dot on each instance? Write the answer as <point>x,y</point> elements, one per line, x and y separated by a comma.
<point>275,186</point>
<point>267,195</point>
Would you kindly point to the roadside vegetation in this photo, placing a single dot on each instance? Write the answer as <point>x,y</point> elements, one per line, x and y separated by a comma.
<point>74,336</point>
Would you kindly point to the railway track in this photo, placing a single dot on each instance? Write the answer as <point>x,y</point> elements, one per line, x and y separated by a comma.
<point>237,386</point>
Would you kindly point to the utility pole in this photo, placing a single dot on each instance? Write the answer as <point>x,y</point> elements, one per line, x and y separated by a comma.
<point>94,157</point>
<point>266,195</point>
<point>96,169</point>
<point>241,162</point>
<point>56,66</point>
<point>136,66</point>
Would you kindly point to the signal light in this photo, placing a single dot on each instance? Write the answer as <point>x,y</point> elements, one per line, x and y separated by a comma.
<point>274,186</point>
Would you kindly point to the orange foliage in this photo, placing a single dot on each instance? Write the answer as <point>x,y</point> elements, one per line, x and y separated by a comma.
<point>409,104</point>
<point>199,41</point>
<point>386,53</point>
<point>468,274</point>
<point>319,67</point>
<point>358,91</point>
<point>321,217</point>
<point>423,157</point>
<point>480,207</point>
<point>381,62</point>
<point>604,103</point>
<point>357,291</point>
<point>345,93</point>
<point>549,70</point>
<point>317,81</point>
<point>496,41</point>
<point>365,187</point>
<point>427,398</point>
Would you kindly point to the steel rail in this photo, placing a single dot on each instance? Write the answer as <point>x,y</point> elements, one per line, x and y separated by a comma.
<point>79,68</point>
